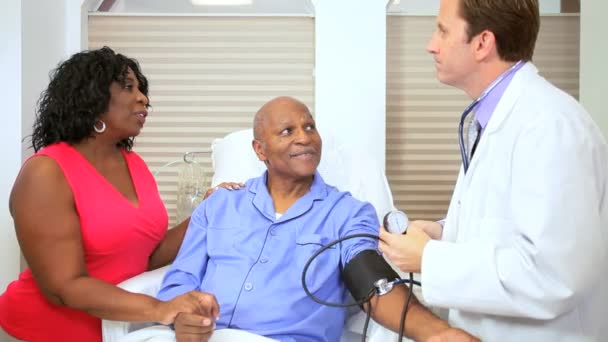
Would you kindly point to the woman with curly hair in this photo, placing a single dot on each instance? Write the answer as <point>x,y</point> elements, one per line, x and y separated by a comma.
<point>87,211</point>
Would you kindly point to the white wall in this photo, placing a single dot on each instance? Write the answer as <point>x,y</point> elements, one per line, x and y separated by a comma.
<point>10,131</point>
<point>36,36</point>
<point>350,73</point>
<point>594,61</point>
<point>43,47</point>
<point>550,6</point>
<point>76,24</point>
<point>52,31</point>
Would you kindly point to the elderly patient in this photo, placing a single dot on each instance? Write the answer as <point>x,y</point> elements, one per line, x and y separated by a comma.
<point>248,247</point>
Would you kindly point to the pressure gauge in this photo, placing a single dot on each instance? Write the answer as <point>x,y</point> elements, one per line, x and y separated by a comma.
<point>396,222</point>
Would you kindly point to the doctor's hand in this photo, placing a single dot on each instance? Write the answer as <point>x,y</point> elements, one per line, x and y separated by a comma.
<point>432,228</point>
<point>193,327</point>
<point>452,335</point>
<point>405,251</point>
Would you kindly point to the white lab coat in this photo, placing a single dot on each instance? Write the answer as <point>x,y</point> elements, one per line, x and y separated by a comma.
<point>524,250</point>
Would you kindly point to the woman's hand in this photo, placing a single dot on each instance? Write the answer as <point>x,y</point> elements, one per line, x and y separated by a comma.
<point>193,302</point>
<point>225,185</point>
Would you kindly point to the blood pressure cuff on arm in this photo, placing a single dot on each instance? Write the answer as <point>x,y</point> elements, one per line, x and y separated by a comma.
<point>363,271</point>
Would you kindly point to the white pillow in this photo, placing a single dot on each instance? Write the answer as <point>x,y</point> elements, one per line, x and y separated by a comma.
<point>365,180</point>
<point>234,160</point>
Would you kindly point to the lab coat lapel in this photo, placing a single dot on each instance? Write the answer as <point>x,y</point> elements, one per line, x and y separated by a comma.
<point>511,95</point>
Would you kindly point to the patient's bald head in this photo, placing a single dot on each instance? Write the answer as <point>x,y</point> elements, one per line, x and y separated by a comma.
<point>286,138</point>
<point>273,108</point>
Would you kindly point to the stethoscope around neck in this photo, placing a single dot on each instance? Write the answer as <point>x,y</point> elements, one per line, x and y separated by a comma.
<point>463,151</point>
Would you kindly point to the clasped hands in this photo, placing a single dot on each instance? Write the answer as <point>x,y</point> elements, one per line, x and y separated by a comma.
<point>192,314</point>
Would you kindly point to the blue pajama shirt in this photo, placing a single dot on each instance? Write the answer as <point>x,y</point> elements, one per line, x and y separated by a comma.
<point>236,249</point>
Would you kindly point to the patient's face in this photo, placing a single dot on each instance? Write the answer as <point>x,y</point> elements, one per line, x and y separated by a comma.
<point>290,142</point>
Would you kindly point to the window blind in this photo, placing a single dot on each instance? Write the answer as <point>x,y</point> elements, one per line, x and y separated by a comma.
<point>208,76</point>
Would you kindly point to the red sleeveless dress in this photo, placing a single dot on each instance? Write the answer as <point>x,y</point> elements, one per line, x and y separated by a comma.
<point>117,238</point>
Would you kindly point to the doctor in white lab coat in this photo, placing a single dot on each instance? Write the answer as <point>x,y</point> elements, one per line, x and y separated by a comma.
<point>523,252</point>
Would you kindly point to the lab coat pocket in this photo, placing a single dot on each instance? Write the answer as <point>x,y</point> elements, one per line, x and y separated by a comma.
<point>324,268</point>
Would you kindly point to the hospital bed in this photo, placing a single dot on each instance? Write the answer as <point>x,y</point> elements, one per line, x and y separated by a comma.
<point>234,160</point>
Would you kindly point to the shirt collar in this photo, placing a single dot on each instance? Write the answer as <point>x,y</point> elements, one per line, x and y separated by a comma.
<point>263,202</point>
<point>486,107</point>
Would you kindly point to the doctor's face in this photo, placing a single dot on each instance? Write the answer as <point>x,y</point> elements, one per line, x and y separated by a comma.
<point>289,144</point>
<point>453,55</point>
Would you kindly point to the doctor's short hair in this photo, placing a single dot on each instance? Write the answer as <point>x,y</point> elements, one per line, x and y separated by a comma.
<point>515,24</point>
<point>79,93</point>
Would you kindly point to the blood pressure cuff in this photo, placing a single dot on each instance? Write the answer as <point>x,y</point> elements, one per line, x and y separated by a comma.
<point>363,271</point>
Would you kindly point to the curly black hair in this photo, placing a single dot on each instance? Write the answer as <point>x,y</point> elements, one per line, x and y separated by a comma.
<point>78,93</point>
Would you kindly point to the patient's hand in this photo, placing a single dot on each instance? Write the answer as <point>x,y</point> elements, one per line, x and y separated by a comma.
<point>193,327</point>
<point>225,185</point>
